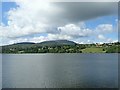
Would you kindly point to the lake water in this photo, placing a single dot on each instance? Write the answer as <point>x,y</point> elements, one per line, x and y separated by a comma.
<point>60,71</point>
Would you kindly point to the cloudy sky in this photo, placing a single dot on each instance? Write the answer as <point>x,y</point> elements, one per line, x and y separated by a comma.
<point>81,22</point>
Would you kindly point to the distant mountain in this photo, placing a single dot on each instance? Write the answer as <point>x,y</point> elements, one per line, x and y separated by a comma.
<point>57,42</point>
<point>25,43</point>
<point>21,45</point>
<point>29,47</point>
<point>45,43</point>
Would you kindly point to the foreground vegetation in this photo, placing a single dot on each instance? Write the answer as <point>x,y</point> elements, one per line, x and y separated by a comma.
<point>63,48</point>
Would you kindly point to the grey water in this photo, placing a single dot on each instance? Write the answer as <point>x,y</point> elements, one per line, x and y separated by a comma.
<point>59,70</point>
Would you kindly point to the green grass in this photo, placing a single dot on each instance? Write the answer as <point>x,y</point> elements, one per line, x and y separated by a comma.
<point>93,50</point>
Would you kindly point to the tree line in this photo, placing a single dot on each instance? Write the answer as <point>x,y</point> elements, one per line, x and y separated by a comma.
<point>35,48</point>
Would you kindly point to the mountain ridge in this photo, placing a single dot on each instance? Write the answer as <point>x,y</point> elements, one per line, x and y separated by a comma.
<point>48,43</point>
<point>58,42</point>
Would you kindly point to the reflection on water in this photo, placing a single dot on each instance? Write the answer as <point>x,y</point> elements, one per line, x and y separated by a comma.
<point>60,70</point>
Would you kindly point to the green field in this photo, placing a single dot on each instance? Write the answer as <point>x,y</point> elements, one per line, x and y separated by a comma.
<point>93,50</point>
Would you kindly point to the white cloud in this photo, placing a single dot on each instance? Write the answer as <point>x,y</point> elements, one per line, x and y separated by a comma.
<point>69,32</point>
<point>101,37</point>
<point>104,28</point>
<point>111,40</point>
<point>37,17</point>
<point>38,39</point>
<point>69,29</point>
<point>57,20</point>
<point>74,30</point>
<point>58,36</point>
<point>25,39</point>
<point>18,40</point>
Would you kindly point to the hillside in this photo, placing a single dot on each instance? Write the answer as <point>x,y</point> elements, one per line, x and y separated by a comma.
<point>29,47</point>
<point>61,46</point>
<point>57,42</point>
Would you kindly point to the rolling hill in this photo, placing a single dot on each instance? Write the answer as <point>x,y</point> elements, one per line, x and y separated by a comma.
<point>57,42</point>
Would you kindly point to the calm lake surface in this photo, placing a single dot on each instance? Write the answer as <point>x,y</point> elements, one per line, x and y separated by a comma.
<point>60,71</point>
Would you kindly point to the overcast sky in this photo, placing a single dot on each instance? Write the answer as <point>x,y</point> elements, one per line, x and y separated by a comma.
<point>81,22</point>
